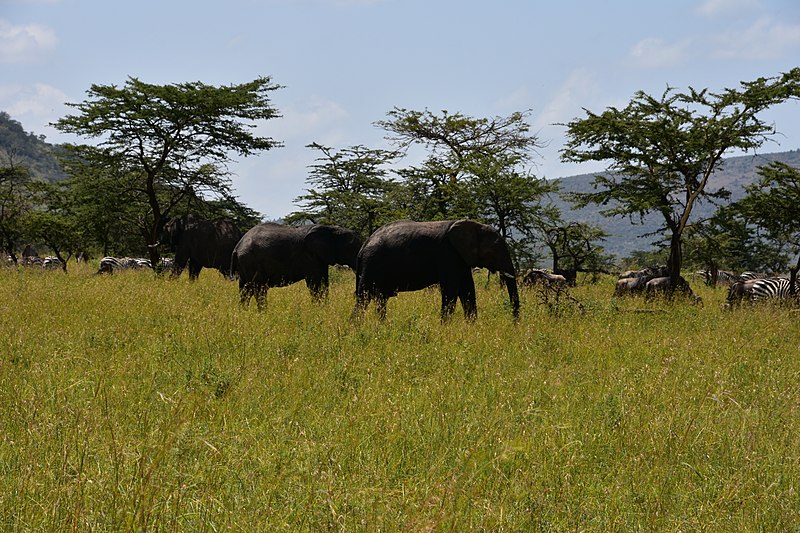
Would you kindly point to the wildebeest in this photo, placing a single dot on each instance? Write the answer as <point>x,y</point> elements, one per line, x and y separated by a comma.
<point>662,286</point>
<point>535,276</point>
<point>631,285</point>
<point>651,272</point>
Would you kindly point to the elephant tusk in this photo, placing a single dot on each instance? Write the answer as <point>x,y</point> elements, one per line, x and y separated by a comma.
<point>507,275</point>
<point>154,245</point>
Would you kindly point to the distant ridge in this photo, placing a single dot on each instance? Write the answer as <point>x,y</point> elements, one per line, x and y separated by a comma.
<point>28,150</point>
<point>735,173</point>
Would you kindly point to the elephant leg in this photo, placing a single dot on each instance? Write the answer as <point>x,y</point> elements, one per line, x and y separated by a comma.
<point>260,292</point>
<point>380,306</point>
<point>194,270</point>
<point>362,301</point>
<point>448,304</point>
<point>245,292</point>
<point>467,297</point>
<point>318,287</point>
<point>178,265</point>
<point>177,270</point>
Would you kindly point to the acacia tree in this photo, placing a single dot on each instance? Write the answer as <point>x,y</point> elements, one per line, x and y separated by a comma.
<point>773,204</point>
<point>349,189</point>
<point>662,152</point>
<point>575,247</point>
<point>457,146</point>
<point>169,142</point>
<point>729,239</point>
<point>475,168</point>
<point>15,201</point>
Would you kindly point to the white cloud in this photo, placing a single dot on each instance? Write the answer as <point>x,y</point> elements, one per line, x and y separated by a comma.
<point>714,8</point>
<point>517,100</point>
<point>25,44</point>
<point>657,53</point>
<point>310,121</point>
<point>573,94</point>
<point>764,39</point>
<point>35,106</point>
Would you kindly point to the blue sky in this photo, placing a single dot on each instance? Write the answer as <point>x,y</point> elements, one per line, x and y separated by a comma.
<point>345,63</point>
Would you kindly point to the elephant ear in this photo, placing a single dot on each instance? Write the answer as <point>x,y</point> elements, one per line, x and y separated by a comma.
<point>463,235</point>
<point>320,242</point>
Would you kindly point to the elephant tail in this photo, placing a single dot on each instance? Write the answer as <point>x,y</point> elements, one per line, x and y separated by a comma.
<point>234,264</point>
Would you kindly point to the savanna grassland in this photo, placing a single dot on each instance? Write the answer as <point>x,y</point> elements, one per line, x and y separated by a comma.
<point>134,403</point>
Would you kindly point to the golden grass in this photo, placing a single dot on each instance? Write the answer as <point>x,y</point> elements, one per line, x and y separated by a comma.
<point>135,403</point>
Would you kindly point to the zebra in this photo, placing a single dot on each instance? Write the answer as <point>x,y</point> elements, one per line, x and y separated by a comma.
<point>772,289</point>
<point>167,263</point>
<point>724,277</point>
<point>760,290</point>
<point>109,264</point>
<point>51,263</point>
<point>748,275</point>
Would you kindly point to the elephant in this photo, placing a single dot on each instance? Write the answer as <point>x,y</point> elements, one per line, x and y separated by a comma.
<point>275,255</point>
<point>408,256</point>
<point>200,243</point>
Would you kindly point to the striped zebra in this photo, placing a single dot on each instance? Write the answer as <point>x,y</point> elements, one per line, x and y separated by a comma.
<point>109,264</point>
<point>51,263</point>
<point>772,289</point>
<point>724,277</point>
<point>748,276</point>
<point>760,290</point>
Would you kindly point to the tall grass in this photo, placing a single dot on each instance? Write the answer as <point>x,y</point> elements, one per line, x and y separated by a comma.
<point>134,403</point>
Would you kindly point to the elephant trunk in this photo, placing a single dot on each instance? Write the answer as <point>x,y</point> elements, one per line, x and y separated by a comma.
<point>513,293</point>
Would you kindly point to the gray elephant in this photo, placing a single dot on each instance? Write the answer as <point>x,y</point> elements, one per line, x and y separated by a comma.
<point>274,255</point>
<point>200,243</point>
<point>408,256</point>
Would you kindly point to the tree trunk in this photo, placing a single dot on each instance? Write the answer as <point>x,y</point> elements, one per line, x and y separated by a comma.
<point>713,274</point>
<point>675,260</point>
<point>152,238</point>
<point>793,277</point>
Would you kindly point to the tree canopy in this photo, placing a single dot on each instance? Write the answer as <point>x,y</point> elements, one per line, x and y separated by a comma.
<point>773,204</point>
<point>662,151</point>
<point>349,188</point>
<point>475,168</point>
<point>164,144</point>
<point>14,203</point>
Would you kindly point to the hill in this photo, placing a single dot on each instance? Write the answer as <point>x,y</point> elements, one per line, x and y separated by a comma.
<point>624,235</point>
<point>28,150</point>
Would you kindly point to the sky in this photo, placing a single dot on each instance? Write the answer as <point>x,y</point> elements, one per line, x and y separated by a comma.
<point>344,64</point>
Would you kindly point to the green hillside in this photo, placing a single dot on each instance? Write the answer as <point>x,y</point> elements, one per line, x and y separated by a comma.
<point>28,150</point>
<point>624,234</point>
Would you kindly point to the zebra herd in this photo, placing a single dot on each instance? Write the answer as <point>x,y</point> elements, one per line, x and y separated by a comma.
<point>48,263</point>
<point>109,265</point>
